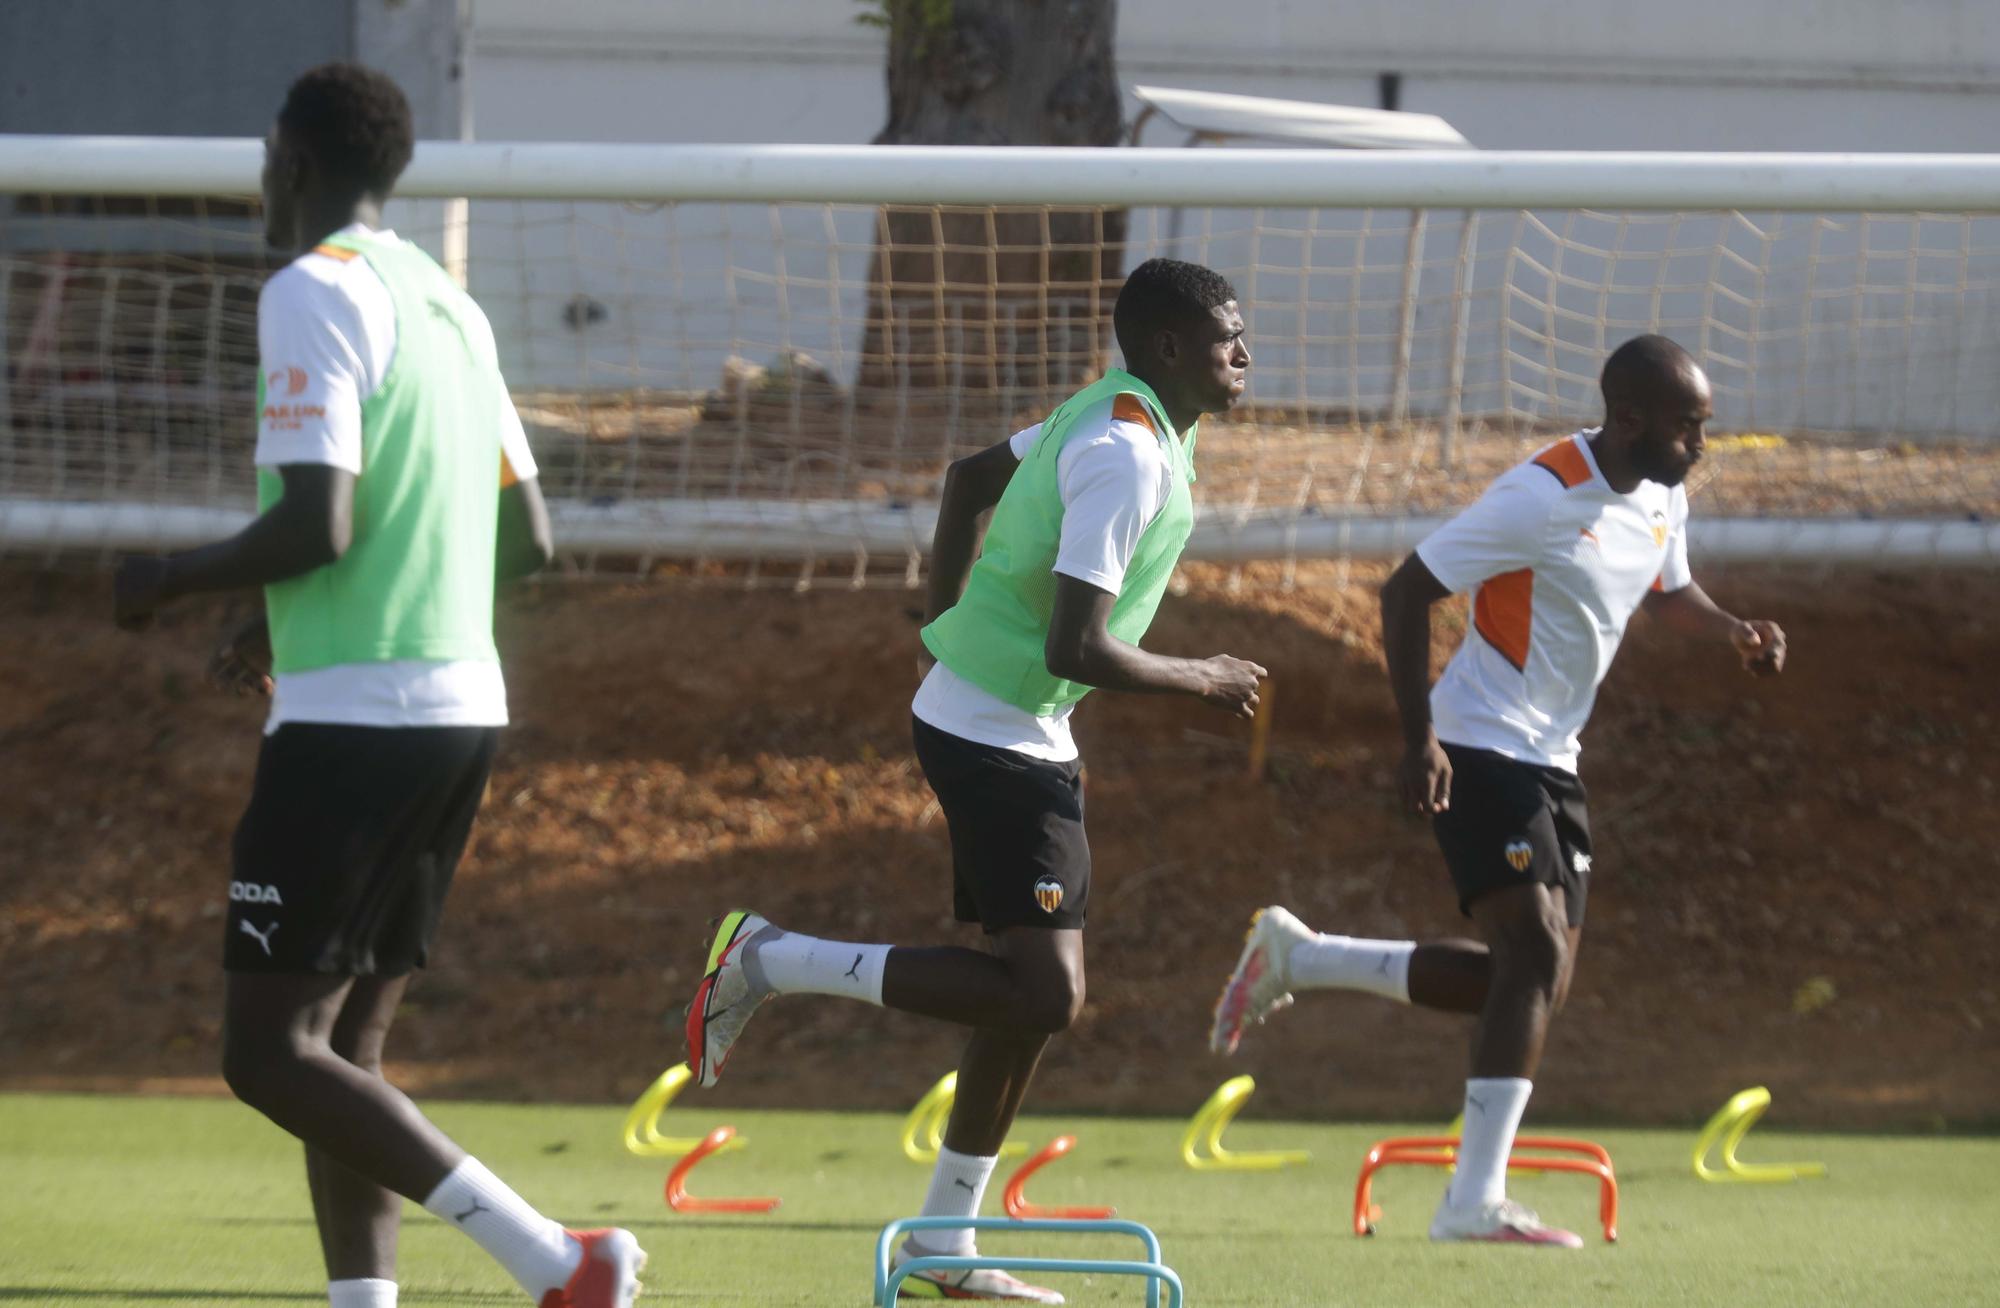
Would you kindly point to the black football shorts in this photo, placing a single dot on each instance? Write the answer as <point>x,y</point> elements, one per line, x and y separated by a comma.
<point>1514,823</point>
<point>1018,853</point>
<point>343,858</point>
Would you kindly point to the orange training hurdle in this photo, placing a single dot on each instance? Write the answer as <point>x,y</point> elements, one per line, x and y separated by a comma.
<point>1441,1151</point>
<point>1015,1197</point>
<point>681,1201</point>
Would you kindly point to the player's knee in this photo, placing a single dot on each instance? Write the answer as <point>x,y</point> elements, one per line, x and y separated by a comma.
<point>1561,997</point>
<point>1054,1006</point>
<point>1536,950</point>
<point>361,1044</point>
<point>248,1061</point>
<point>257,1064</point>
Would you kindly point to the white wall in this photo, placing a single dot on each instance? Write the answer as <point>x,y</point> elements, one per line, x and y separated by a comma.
<point>682,289</point>
<point>1925,41</point>
<point>633,70</point>
<point>1513,74</point>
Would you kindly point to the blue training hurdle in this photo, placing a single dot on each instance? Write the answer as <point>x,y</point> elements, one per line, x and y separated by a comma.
<point>888,1282</point>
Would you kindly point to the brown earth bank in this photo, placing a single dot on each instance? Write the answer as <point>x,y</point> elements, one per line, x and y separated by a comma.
<point>1795,880</point>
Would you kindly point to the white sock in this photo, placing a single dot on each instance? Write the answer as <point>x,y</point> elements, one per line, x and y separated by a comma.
<point>362,1292</point>
<point>787,963</point>
<point>536,1252</point>
<point>1380,967</point>
<point>1493,1108</point>
<point>958,1183</point>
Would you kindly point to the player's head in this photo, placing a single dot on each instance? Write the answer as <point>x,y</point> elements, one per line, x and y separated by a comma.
<point>342,136</point>
<point>1656,398</point>
<point>1181,333</point>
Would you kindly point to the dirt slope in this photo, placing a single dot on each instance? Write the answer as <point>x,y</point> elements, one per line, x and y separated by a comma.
<point>681,750</point>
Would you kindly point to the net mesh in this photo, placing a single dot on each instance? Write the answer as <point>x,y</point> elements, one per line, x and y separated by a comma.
<point>797,361</point>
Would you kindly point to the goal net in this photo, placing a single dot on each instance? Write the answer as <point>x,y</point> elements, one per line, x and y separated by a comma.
<point>770,389</point>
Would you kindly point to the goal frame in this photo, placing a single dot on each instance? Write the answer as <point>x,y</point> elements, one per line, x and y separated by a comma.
<point>1419,181</point>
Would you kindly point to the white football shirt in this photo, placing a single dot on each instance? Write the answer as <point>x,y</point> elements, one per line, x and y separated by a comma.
<point>1557,562</point>
<point>1114,478</point>
<point>326,335</point>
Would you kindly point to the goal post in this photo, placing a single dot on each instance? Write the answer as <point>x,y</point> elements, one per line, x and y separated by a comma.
<point>767,354</point>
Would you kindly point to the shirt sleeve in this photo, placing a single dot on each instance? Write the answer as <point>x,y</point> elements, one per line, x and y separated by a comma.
<point>1024,440</point>
<point>311,342</point>
<point>1112,489</point>
<point>1501,531</point>
<point>1674,572</point>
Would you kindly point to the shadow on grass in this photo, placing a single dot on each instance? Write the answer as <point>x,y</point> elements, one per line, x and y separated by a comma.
<point>415,1298</point>
<point>56,1294</point>
<point>629,1223</point>
<point>701,1223</point>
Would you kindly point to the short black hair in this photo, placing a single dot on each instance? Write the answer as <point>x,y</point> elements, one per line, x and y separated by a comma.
<point>354,122</point>
<point>1639,370</point>
<point>1164,293</point>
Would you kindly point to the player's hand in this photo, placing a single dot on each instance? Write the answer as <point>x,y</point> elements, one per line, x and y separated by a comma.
<point>242,665</point>
<point>1761,645</point>
<point>138,590</point>
<point>1425,778</point>
<point>1231,684</point>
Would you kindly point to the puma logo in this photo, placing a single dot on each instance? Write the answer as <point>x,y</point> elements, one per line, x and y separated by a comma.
<point>441,313</point>
<point>1474,1102</point>
<point>1382,968</point>
<point>261,937</point>
<point>959,1180</point>
<point>477,1207</point>
<point>854,973</point>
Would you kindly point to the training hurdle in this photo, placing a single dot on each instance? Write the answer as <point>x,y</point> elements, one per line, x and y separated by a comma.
<point>681,1201</point>
<point>1015,1199</point>
<point>1729,1125</point>
<point>890,1280</point>
<point>1442,1151</point>
<point>923,1129</point>
<point>641,1132</point>
<point>1205,1129</point>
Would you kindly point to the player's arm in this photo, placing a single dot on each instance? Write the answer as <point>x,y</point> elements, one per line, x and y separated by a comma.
<point>1680,605</point>
<point>1407,599</point>
<point>1499,532</point>
<point>1689,611</point>
<point>526,542</point>
<point>309,333</point>
<point>972,486</point>
<point>309,527</point>
<point>1081,648</point>
<point>1113,487</point>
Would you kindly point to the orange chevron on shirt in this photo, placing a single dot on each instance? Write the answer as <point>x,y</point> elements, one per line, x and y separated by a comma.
<point>1565,462</point>
<point>1130,408</point>
<point>1503,611</point>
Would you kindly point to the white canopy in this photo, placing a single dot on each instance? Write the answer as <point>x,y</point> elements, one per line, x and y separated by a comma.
<point>1212,115</point>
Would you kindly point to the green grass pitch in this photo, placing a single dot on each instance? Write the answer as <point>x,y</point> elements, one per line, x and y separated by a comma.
<point>124,1201</point>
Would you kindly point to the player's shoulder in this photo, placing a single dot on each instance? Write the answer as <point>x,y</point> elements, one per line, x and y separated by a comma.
<point>1124,419</point>
<point>1559,467</point>
<point>1677,502</point>
<point>1110,434</point>
<point>326,276</point>
<point>1131,411</point>
<point>1528,485</point>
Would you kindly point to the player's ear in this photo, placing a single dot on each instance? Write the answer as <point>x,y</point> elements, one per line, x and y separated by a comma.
<point>1167,345</point>
<point>281,170</point>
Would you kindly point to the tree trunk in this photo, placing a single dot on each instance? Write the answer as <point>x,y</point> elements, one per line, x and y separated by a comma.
<point>973,310</point>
